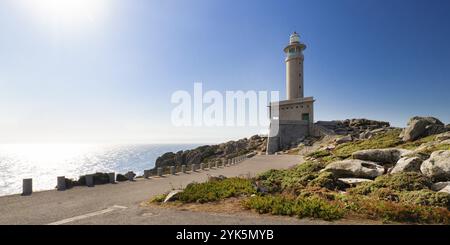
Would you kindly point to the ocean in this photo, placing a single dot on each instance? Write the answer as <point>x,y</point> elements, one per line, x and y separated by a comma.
<point>44,162</point>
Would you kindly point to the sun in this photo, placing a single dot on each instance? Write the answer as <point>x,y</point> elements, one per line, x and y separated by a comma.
<point>67,13</point>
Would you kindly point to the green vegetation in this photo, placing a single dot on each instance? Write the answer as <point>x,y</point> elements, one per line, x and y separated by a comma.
<point>389,211</point>
<point>216,190</point>
<point>407,181</point>
<point>303,191</point>
<point>313,207</point>
<point>158,198</point>
<point>414,144</point>
<point>385,140</point>
<point>426,198</point>
<point>319,154</point>
<point>290,180</point>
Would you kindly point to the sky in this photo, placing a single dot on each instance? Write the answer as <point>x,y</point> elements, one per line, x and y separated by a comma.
<point>105,70</point>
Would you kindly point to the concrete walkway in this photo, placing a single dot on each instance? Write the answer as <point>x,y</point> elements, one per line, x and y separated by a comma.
<point>119,203</point>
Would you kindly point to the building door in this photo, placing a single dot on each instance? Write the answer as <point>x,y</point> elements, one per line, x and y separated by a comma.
<point>305,117</point>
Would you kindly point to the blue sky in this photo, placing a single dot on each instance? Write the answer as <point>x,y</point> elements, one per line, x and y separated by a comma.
<point>106,72</point>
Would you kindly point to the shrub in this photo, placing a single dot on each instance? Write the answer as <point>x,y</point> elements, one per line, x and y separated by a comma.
<point>384,140</point>
<point>158,198</point>
<point>217,190</point>
<point>403,212</point>
<point>426,198</point>
<point>319,154</point>
<point>406,181</point>
<point>329,181</point>
<point>290,179</point>
<point>313,207</point>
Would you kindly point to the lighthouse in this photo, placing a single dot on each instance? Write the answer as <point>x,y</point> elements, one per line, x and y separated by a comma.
<point>291,120</point>
<point>294,67</point>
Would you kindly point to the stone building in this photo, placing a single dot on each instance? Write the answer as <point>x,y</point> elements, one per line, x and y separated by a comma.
<point>291,119</point>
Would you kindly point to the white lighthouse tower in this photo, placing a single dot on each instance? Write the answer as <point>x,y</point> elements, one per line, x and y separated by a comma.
<point>294,67</point>
<point>291,119</point>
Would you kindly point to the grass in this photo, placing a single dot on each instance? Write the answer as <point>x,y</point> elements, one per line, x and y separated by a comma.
<point>342,206</point>
<point>414,144</point>
<point>407,181</point>
<point>290,180</point>
<point>216,190</point>
<point>385,140</point>
<point>313,207</point>
<point>319,154</point>
<point>388,211</point>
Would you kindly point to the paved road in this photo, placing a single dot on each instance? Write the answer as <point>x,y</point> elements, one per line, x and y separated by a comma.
<point>119,203</point>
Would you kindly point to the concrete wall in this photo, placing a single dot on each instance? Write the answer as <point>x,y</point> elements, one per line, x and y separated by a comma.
<point>289,132</point>
<point>295,111</point>
<point>294,78</point>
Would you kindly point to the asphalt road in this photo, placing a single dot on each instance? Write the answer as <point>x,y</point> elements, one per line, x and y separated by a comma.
<point>119,203</point>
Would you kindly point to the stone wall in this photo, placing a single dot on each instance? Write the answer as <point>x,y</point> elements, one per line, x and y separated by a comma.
<point>289,133</point>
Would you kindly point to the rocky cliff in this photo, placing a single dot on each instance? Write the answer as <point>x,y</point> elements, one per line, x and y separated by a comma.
<point>209,153</point>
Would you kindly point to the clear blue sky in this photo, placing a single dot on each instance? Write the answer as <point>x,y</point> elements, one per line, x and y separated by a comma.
<point>106,71</point>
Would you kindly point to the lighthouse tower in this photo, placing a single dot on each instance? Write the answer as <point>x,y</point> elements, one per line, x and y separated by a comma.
<point>291,120</point>
<point>294,67</point>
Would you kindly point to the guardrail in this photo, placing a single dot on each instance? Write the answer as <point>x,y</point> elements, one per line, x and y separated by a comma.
<point>27,188</point>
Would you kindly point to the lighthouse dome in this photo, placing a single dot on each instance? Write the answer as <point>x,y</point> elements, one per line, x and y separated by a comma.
<point>295,38</point>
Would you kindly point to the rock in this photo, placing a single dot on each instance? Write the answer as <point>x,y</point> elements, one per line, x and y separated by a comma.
<point>212,152</point>
<point>350,126</point>
<point>212,178</point>
<point>344,139</point>
<point>407,164</point>
<point>130,175</point>
<point>260,188</point>
<point>172,196</point>
<point>354,181</point>
<point>419,127</point>
<point>446,189</point>
<point>440,185</point>
<point>443,136</point>
<point>365,135</point>
<point>384,156</point>
<point>437,166</point>
<point>354,168</point>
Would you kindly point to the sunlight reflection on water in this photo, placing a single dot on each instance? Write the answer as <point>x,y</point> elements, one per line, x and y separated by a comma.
<point>44,162</point>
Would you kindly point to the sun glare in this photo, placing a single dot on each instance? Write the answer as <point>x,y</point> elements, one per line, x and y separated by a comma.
<point>72,13</point>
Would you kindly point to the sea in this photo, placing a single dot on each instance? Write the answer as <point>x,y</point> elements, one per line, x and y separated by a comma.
<point>45,162</point>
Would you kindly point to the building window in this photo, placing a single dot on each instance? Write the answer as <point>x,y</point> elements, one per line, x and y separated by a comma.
<point>299,74</point>
<point>305,116</point>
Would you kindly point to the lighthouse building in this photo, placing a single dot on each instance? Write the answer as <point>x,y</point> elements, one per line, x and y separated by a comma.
<point>291,119</point>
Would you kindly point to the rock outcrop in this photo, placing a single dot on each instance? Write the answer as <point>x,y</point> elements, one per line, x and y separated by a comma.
<point>437,166</point>
<point>407,164</point>
<point>419,127</point>
<point>354,168</point>
<point>440,185</point>
<point>354,181</point>
<point>382,156</point>
<point>344,139</point>
<point>212,152</point>
<point>354,127</point>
